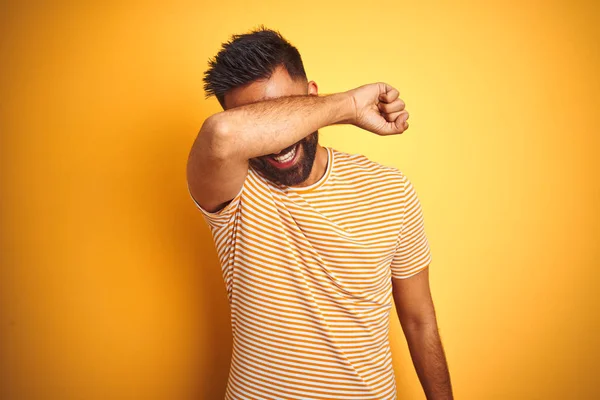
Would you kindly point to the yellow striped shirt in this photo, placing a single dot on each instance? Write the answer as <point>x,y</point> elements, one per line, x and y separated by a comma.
<point>308,276</point>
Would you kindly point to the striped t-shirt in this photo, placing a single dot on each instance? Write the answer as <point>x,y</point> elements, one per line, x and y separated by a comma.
<point>308,276</point>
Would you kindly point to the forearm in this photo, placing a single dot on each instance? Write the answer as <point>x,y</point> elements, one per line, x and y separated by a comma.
<point>429,360</point>
<point>268,126</point>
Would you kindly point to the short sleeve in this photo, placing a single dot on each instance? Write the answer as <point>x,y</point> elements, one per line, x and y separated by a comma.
<point>412,253</point>
<point>225,215</point>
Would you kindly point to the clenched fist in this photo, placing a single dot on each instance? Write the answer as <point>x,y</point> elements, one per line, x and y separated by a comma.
<point>379,109</point>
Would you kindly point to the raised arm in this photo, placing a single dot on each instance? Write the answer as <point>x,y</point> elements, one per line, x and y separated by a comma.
<point>218,160</point>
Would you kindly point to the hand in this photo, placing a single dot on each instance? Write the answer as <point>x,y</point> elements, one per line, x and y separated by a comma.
<point>379,109</point>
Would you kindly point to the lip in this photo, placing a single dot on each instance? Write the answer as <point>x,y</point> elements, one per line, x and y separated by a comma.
<point>286,164</point>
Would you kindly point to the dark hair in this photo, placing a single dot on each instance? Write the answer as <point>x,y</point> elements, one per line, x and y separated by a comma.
<point>248,57</point>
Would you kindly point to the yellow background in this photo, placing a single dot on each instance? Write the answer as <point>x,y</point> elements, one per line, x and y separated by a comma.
<point>110,286</point>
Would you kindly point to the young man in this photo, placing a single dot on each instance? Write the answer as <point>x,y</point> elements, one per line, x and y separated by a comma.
<point>312,241</point>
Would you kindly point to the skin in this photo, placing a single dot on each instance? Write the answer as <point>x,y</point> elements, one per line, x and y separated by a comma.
<point>311,160</point>
<point>415,309</point>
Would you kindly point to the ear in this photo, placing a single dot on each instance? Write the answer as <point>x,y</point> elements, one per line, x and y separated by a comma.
<point>312,88</point>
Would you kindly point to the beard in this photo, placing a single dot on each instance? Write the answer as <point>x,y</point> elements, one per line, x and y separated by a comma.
<point>298,172</point>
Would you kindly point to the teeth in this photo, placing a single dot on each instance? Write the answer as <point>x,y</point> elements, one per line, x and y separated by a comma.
<point>287,156</point>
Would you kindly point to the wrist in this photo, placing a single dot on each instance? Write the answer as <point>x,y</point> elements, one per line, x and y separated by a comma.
<point>345,108</point>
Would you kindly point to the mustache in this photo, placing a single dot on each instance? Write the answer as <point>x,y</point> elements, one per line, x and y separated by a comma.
<point>302,142</point>
<point>306,142</point>
<point>287,148</point>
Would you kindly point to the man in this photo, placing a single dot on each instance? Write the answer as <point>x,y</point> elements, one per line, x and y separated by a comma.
<point>312,241</point>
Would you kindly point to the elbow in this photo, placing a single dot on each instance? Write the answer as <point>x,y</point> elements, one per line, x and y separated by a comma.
<point>418,320</point>
<point>214,137</point>
<point>419,324</point>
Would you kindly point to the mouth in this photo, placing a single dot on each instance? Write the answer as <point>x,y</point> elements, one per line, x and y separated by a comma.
<point>286,158</point>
